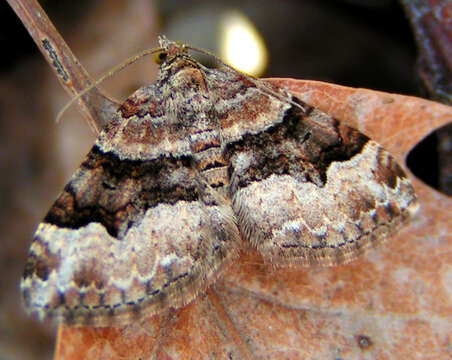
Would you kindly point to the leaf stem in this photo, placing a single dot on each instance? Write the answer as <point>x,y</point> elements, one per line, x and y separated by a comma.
<point>96,107</point>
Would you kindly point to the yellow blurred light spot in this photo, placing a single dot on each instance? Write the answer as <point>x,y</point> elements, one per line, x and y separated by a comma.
<point>241,44</point>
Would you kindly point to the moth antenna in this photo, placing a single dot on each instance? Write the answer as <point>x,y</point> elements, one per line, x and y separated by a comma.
<point>255,81</point>
<point>106,75</point>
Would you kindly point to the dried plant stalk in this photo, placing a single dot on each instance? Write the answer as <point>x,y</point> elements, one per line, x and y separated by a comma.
<point>95,106</point>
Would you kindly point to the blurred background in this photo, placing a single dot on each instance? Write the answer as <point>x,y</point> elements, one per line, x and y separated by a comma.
<point>358,43</point>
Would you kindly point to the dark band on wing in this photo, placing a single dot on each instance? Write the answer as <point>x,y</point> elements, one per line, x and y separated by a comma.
<point>107,197</point>
<point>303,145</point>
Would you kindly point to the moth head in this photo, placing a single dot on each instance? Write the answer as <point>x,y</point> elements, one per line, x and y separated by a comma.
<point>160,57</point>
<point>169,49</point>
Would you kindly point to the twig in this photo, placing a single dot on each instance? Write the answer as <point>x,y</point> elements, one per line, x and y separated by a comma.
<point>96,107</point>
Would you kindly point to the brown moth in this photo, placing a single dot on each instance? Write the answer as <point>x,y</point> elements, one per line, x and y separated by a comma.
<point>189,167</point>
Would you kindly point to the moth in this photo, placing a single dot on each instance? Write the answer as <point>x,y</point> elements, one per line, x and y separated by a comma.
<point>187,169</point>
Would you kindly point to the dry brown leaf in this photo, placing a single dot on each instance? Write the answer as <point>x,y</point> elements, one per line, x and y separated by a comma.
<point>394,302</point>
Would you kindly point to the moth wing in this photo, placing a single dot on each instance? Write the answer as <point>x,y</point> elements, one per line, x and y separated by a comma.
<point>127,237</point>
<point>310,190</point>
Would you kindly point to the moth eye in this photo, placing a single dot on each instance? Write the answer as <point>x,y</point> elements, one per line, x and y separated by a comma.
<point>160,57</point>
